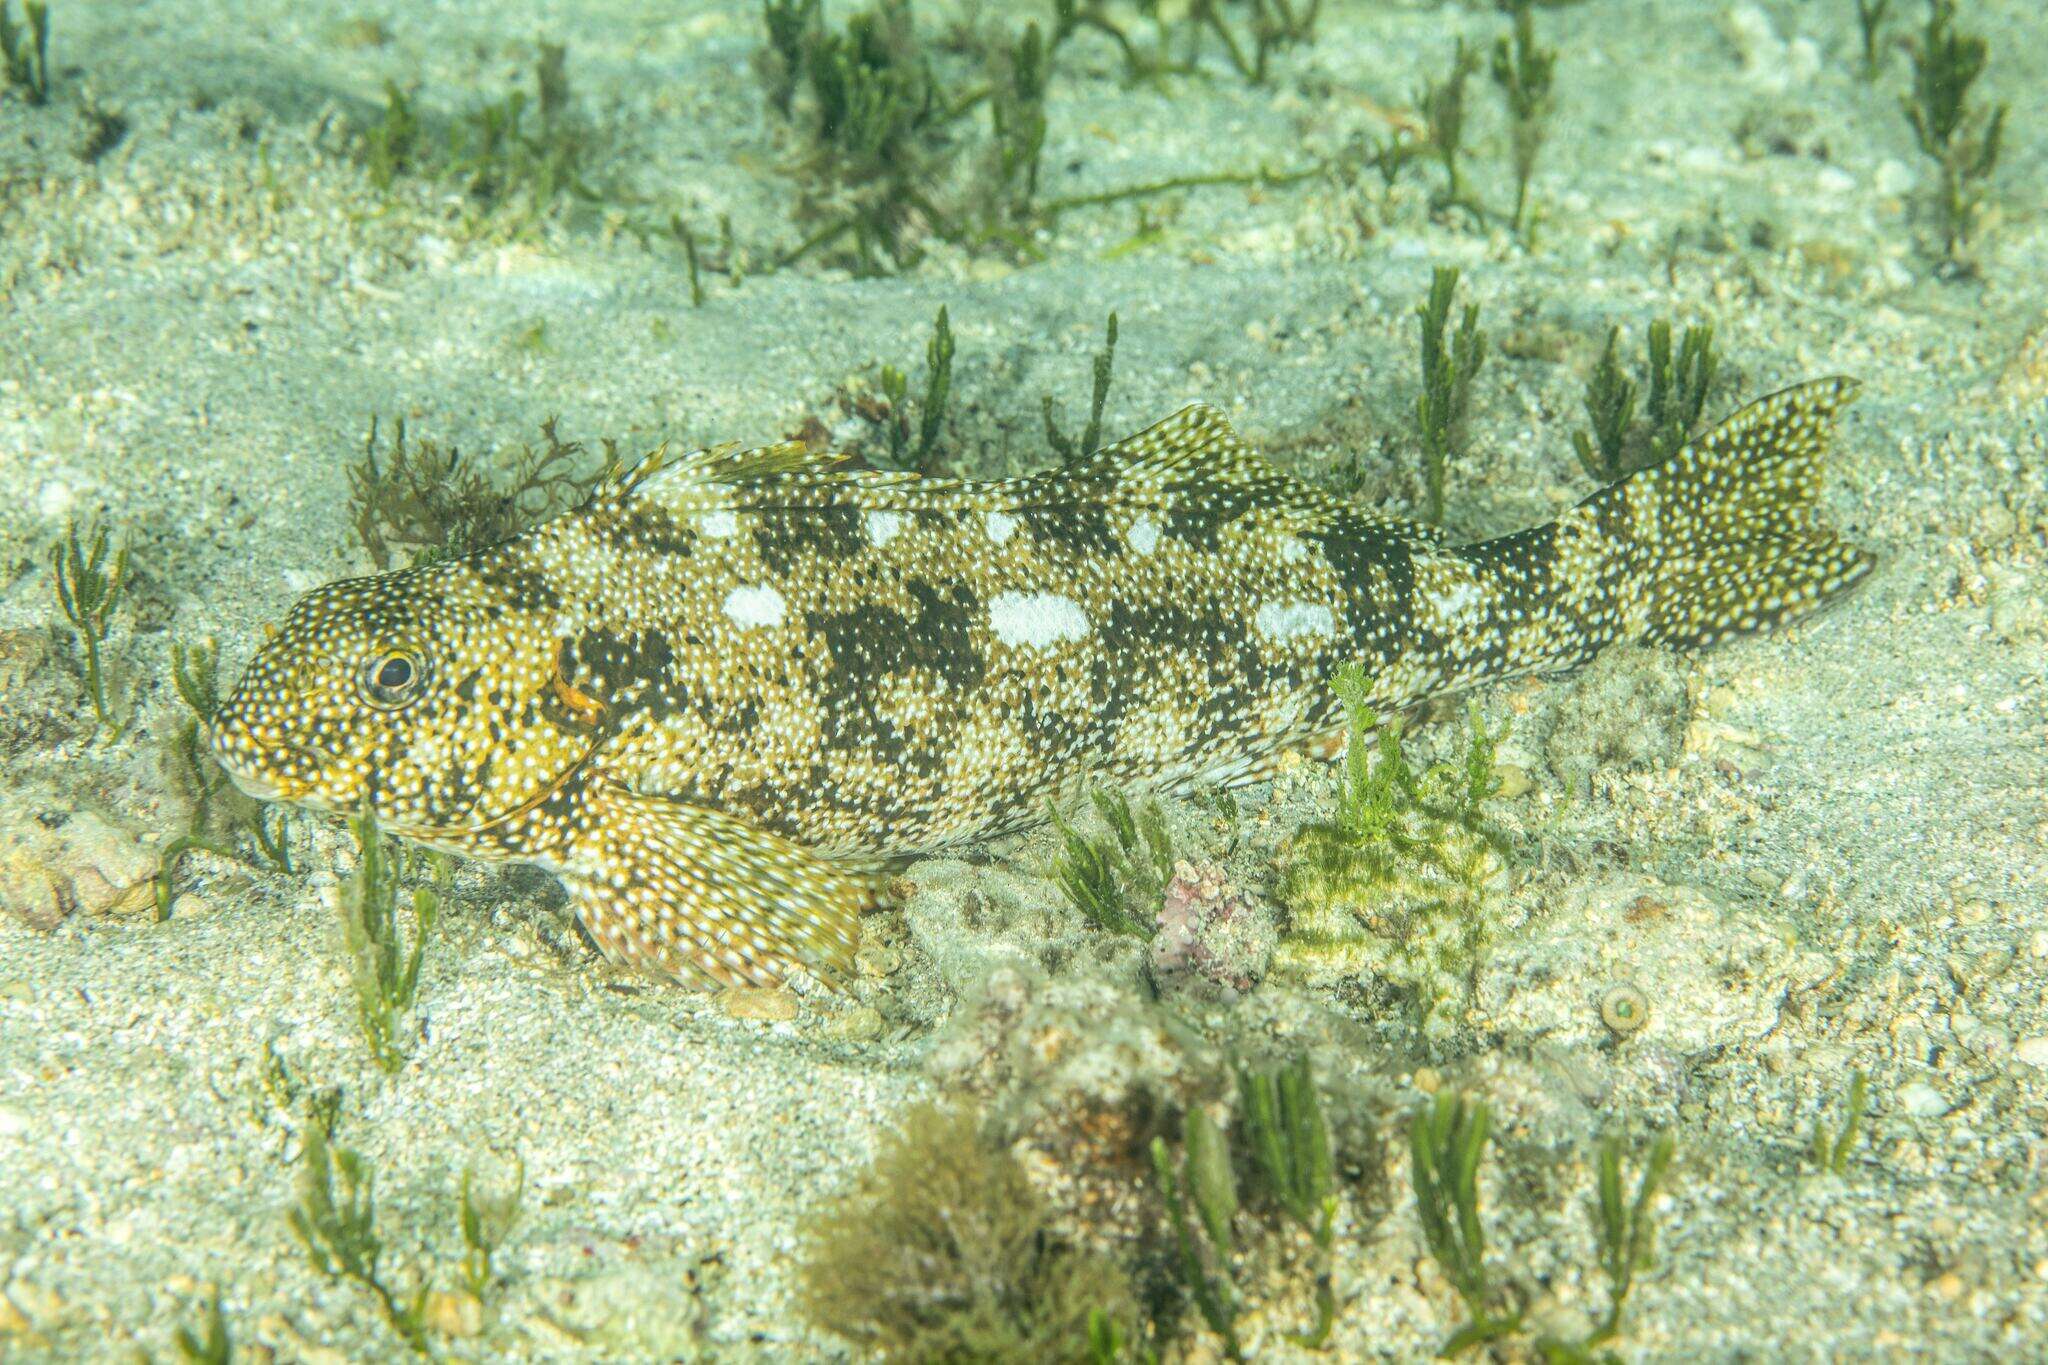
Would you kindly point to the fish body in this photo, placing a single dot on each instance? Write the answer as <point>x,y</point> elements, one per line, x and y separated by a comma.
<point>714,697</point>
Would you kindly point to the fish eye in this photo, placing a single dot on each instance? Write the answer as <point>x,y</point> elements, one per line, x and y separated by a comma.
<point>393,678</point>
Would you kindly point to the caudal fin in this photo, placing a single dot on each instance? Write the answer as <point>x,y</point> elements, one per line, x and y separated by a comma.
<point>1726,536</point>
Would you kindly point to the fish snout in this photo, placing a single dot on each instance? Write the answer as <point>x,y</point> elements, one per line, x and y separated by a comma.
<point>242,758</point>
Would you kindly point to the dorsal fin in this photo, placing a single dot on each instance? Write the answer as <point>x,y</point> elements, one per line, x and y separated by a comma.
<point>662,469</point>
<point>1197,440</point>
<point>729,476</point>
<point>1199,444</point>
<point>1196,446</point>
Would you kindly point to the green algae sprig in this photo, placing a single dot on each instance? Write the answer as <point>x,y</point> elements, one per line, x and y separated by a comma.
<point>25,52</point>
<point>1870,24</point>
<point>335,1219</point>
<point>1442,103</point>
<point>1446,1143</point>
<point>1627,1230</point>
<point>486,1218</point>
<point>1962,140</point>
<point>1283,1144</point>
<point>211,1344</point>
<point>89,589</point>
<point>1447,1140</point>
<point>385,974</point>
<point>1832,1147</point>
<point>1523,71</point>
<point>1679,386</point>
<point>1274,24</point>
<point>906,452</point>
<point>1064,445</point>
<point>195,677</point>
<point>944,1250</point>
<point>1447,371</point>
<point>1117,883</point>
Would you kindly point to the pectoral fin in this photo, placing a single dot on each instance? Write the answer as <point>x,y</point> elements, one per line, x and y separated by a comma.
<point>685,892</point>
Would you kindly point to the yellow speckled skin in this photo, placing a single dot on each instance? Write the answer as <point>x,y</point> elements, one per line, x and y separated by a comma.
<point>714,695</point>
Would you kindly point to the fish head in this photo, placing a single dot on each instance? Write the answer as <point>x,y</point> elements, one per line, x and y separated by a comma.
<point>421,695</point>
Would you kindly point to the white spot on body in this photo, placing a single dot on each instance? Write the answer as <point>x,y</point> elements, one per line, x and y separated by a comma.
<point>1036,619</point>
<point>1458,601</point>
<point>1286,620</point>
<point>883,526</point>
<point>718,525</point>
<point>1144,535</point>
<point>755,605</point>
<point>1292,551</point>
<point>1001,527</point>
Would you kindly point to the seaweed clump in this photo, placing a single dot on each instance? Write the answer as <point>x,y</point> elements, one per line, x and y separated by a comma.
<point>1963,142</point>
<point>517,156</point>
<point>1448,367</point>
<point>1286,1155</point>
<point>879,132</point>
<point>1447,1140</point>
<point>423,499</point>
<point>384,973</point>
<point>1118,883</point>
<point>25,52</point>
<point>89,589</point>
<point>874,126</point>
<point>1679,385</point>
<point>944,1251</point>
<point>1523,71</point>
<point>1397,883</point>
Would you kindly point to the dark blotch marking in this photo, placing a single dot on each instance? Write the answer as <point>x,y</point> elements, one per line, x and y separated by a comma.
<point>1198,512</point>
<point>1353,551</point>
<point>787,538</point>
<point>1519,568</point>
<point>871,643</point>
<point>520,588</point>
<point>652,529</point>
<point>1140,636</point>
<point>625,672</point>
<point>1083,529</point>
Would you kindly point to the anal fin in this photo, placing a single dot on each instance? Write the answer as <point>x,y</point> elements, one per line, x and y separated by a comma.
<point>683,892</point>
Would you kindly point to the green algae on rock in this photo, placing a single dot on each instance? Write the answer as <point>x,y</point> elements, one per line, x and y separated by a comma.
<point>944,1251</point>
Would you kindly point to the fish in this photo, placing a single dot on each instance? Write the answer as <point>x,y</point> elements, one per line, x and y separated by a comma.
<point>721,696</point>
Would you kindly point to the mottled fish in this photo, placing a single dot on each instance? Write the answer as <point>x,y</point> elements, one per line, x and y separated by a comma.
<point>714,697</point>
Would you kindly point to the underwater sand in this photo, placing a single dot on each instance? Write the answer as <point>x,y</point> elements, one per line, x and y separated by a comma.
<point>1849,854</point>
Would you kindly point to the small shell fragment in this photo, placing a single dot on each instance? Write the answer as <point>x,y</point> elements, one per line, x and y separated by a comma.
<point>1624,1010</point>
<point>771,1005</point>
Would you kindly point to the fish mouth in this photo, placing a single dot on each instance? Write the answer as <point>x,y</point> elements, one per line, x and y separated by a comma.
<point>260,770</point>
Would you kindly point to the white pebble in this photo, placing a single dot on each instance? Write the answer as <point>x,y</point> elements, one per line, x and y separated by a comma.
<point>1922,1100</point>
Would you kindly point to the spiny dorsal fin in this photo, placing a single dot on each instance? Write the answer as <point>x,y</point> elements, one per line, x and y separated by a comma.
<point>1197,440</point>
<point>728,476</point>
<point>1198,445</point>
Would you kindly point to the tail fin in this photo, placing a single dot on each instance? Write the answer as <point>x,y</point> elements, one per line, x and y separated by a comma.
<point>1726,535</point>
